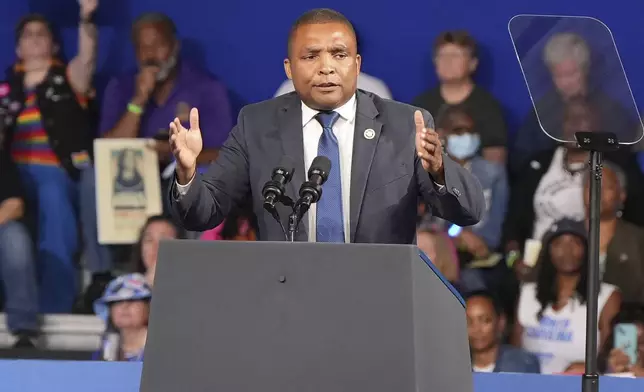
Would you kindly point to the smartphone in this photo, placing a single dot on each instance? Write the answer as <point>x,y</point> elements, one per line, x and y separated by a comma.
<point>626,340</point>
<point>454,231</point>
<point>531,251</point>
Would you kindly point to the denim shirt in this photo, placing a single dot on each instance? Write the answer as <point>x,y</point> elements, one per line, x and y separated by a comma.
<point>515,360</point>
<point>494,181</point>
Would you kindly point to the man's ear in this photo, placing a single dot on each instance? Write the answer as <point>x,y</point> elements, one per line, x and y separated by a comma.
<point>358,62</point>
<point>474,63</point>
<point>287,68</point>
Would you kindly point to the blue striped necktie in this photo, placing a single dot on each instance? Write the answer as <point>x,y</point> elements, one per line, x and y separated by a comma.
<point>329,224</point>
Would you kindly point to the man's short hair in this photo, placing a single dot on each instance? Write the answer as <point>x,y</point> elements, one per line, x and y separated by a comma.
<point>154,18</point>
<point>622,181</point>
<point>445,116</point>
<point>318,16</point>
<point>39,18</point>
<point>459,38</point>
<point>488,295</point>
<point>357,34</point>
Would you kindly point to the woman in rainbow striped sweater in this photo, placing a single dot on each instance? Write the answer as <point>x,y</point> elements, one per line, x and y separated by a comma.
<point>47,130</point>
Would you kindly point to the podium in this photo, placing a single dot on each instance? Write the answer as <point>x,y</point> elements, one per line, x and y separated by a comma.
<point>303,317</point>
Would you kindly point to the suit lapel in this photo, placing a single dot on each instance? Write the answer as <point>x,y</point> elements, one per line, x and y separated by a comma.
<point>291,134</point>
<point>364,150</point>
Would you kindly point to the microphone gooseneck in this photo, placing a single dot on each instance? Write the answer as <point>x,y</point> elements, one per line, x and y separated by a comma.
<point>274,191</point>
<point>310,191</point>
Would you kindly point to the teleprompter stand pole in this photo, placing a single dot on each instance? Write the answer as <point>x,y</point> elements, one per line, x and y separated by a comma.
<point>597,143</point>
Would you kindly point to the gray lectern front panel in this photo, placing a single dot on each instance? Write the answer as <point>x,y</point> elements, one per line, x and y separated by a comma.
<point>280,317</point>
<point>440,334</point>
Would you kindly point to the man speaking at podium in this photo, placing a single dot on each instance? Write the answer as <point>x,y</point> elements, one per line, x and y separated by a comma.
<point>383,154</point>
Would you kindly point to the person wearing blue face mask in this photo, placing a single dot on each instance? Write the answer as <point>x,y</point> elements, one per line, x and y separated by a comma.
<point>462,144</point>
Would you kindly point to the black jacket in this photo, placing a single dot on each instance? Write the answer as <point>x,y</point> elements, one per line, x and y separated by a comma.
<point>66,121</point>
<point>9,178</point>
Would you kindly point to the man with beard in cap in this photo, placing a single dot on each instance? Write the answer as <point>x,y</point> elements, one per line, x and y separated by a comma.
<point>138,105</point>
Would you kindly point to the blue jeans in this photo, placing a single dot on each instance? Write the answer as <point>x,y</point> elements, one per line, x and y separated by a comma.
<point>60,202</point>
<point>18,277</point>
<point>99,257</point>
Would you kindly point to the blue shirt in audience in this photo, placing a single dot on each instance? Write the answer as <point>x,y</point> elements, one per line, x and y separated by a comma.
<point>494,181</point>
<point>511,359</point>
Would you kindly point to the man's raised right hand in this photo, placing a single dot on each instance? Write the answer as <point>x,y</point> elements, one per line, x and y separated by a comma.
<point>186,145</point>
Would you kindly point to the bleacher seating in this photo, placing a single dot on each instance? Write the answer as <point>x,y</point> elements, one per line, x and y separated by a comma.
<point>62,332</point>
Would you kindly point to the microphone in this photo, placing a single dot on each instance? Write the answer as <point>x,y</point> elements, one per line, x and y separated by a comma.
<point>311,190</point>
<point>274,190</point>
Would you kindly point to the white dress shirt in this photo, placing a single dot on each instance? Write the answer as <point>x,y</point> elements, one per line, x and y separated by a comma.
<point>343,129</point>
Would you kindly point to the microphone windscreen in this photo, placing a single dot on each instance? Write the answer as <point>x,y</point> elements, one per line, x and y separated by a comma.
<point>321,165</point>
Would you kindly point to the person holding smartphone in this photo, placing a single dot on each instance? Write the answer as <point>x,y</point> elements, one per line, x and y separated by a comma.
<point>551,312</point>
<point>623,353</point>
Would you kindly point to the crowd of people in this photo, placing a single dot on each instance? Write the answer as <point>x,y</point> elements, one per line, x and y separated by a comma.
<point>522,268</point>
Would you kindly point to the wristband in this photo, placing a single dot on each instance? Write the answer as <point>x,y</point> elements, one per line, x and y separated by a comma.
<point>512,257</point>
<point>134,108</point>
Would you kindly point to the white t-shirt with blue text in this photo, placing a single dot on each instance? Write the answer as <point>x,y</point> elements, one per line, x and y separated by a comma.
<point>559,338</point>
